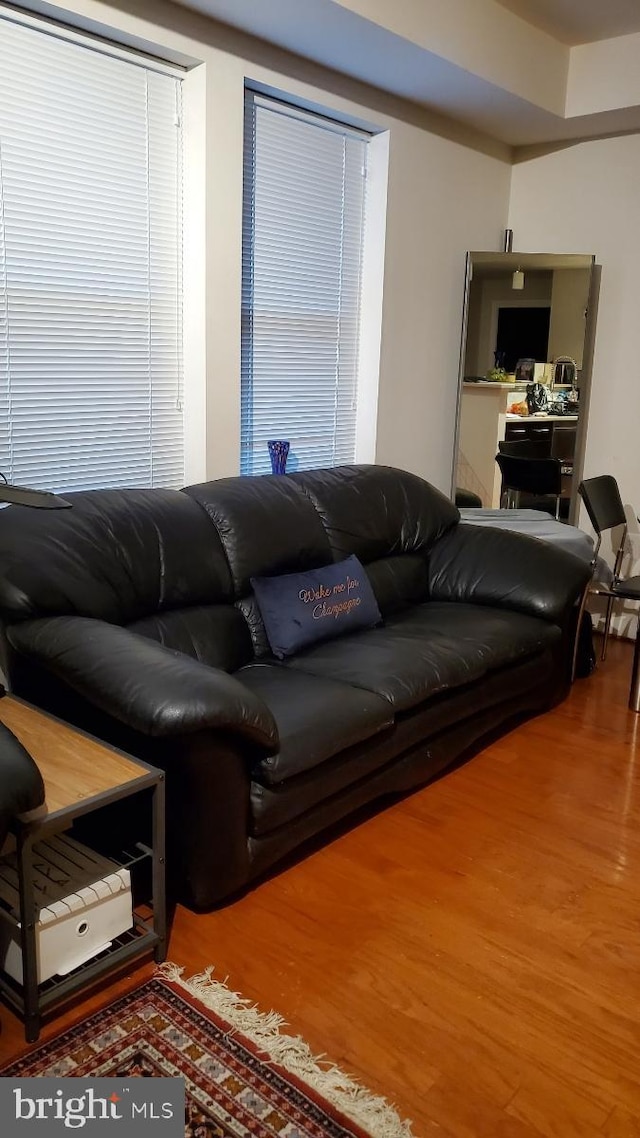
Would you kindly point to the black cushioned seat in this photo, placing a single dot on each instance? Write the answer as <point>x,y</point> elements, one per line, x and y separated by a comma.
<point>430,648</point>
<point>274,805</point>
<point>216,635</point>
<point>316,717</point>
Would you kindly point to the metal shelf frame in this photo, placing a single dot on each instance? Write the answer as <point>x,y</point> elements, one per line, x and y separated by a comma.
<point>30,1001</point>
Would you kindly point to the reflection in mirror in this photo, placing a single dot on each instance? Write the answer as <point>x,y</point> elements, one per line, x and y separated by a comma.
<point>524,369</point>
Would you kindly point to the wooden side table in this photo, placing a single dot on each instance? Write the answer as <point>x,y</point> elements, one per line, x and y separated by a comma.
<point>81,776</point>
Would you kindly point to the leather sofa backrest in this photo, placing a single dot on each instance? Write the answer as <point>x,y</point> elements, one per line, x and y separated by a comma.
<point>377,511</point>
<point>267,526</point>
<point>389,518</point>
<point>176,566</point>
<point>274,524</point>
<point>117,555</point>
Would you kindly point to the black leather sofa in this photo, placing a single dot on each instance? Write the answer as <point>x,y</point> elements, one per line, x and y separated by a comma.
<point>132,615</point>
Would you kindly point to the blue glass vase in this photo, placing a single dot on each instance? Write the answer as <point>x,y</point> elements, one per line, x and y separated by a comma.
<point>278,451</point>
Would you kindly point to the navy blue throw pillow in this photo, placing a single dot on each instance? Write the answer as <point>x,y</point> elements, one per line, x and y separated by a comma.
<point>299,609</point>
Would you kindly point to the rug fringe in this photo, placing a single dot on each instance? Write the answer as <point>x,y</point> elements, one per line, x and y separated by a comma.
<point>372,1112</point>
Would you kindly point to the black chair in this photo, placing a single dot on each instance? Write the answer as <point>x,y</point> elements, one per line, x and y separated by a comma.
<point>603,504</point>
<point>22,793</point>
<point>467,500</point>
<point>526,448</point>
<point>539,477</point>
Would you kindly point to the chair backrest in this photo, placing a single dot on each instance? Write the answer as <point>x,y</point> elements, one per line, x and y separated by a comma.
<point>531,475</point>
<point>525,448</point>
<point>563,444</point>
<point>603,503</point>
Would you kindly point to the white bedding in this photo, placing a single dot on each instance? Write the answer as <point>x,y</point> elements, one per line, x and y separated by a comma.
<point>535,523</point>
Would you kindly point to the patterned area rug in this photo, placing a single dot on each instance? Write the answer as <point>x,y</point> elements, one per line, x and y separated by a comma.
<point>243,1075</point>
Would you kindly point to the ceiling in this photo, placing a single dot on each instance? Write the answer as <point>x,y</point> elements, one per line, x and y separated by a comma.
<point>524,72</point>
<point>579,21</point>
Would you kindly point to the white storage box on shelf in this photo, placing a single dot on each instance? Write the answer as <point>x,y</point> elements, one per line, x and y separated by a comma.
<point>83,902</point>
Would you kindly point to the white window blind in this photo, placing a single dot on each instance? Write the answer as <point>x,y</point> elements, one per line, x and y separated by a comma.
<point>90,266</point>
<point>304,201</point>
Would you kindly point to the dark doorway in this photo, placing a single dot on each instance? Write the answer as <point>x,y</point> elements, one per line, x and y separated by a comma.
<point>523,333</point>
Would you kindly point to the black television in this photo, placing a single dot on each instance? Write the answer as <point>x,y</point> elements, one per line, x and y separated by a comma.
<point>523,332</point>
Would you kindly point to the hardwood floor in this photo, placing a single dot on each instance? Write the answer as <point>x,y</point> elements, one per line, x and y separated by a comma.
<point>472,953</point>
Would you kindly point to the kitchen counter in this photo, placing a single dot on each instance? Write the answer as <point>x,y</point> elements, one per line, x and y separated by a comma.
<point>484,422</point>
<point>542,418</point>
<point>508,389</point>
<point>482,383</point>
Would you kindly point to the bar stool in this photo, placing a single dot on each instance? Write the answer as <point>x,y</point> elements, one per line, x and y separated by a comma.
<point>540,477</point>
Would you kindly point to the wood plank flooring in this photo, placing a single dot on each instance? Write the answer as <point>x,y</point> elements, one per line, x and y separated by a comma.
<point>472,952</point>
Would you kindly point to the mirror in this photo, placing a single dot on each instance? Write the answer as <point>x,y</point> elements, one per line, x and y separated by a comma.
<point>527,330</point>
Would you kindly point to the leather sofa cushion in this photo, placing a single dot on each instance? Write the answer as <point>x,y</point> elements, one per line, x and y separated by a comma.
<point>214,634</point>
<point>250,610</point>
<point>376,511</point>
<point>428,649</point>
<point>277,805</point>
<point>399,581</point>
<point>316,717</point>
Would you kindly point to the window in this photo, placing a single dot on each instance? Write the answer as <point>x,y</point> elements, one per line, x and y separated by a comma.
<point>90,239</point>
<point>304,204</point>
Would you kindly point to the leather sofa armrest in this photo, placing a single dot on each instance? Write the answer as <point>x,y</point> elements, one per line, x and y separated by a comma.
<point>155,690</point>
<point>508,570</point>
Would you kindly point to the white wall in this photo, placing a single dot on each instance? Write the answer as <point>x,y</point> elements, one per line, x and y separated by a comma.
<point>447,193</point>
<point>483,38</point>
<point>444,197</point>
<point>585,199</point>
<point>569,302</point>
